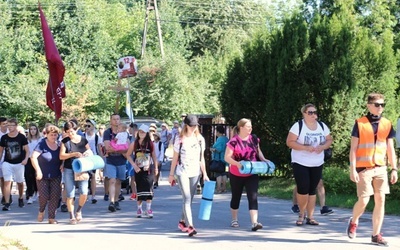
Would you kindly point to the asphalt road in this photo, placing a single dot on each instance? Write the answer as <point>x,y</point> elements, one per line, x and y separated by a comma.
<point>101,229</point>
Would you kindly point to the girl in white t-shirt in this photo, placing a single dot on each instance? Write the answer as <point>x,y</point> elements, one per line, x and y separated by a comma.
<point>121,140</point>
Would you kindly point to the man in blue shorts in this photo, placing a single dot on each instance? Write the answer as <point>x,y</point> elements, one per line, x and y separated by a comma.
<point>115,164</point>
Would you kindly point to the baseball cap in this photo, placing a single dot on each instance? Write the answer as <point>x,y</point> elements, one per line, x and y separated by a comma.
<point>144,128</point>
<point>191,120</point>
<point>92,122</point>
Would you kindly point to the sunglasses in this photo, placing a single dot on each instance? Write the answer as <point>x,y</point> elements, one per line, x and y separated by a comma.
<point>378,104</point>
<point>87,126</point>
<point>312,113</point>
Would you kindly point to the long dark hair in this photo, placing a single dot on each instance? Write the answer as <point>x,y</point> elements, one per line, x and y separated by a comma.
<point>146,141</point>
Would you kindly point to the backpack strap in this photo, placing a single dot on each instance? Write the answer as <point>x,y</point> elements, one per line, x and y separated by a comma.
<point>159,145</point>
<point>179,153</point>
<point>300,127</point>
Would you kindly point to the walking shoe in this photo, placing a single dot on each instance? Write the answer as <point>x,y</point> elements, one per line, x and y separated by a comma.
<point>111,207</point>
<point>21,203</point>
<point>6,207</point>
<point>378,240</point>
<point>64,208</point>
<point>191,231</point>
<point>133,196</point>
<point>182,226</point>
<point>35,197</point>
<point>326,210</point>
<point>256,226</point>
<point>139,213</point>
<point>3,201</point>
<point>30,201</point>
<point>94,201</point>
<point>121,197</point>
<point>106,197</point>
<point>351,229</point>
<point>295,209</point>
<point>149,213</point>
<point>155,185</point>
<point>116,205</point>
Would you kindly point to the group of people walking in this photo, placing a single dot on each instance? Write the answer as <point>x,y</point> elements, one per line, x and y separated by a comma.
<point>371,142</point>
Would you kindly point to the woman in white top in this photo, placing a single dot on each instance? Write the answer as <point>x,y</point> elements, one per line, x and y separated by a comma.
<point>188,160</point>
<point>159,148</point>
<point>30,174</point>
<point>308,145</point>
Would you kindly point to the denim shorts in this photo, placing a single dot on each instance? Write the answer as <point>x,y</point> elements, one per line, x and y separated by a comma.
<point>69,184</point>
<point>115,172</point>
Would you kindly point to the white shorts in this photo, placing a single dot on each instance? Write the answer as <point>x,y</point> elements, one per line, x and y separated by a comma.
<point>13,172</point>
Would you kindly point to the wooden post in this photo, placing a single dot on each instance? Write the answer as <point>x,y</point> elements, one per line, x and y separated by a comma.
<point>118,88</point>
<point>159,29</point>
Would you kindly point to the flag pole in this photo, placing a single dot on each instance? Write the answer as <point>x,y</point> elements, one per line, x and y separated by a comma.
<point>54,103</point>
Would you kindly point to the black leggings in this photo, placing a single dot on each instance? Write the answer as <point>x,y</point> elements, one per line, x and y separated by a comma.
<point>237,185</point>
<point>307,178</point>
<point>30,179</point>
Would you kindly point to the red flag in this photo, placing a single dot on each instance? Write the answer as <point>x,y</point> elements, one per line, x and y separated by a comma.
<point>55,87</point>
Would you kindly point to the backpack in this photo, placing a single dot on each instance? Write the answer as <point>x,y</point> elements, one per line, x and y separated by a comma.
<point>327,152</point>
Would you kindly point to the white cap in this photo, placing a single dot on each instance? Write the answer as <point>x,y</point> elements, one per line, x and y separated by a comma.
<point>144,128</point>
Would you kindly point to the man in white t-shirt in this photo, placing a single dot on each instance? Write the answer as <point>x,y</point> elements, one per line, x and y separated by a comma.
<point>94,142</point>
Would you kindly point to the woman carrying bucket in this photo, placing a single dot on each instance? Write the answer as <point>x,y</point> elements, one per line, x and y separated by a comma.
<point>188,160</point>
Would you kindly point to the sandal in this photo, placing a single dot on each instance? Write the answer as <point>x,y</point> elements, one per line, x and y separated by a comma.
<point>78,216</point>
<point>312,222</point>
<point>72,221</point>
<point>40,216</point>
<point>300,220</point>
<point>234,223</point>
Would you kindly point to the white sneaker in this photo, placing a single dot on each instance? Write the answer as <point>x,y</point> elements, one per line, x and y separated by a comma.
<point>34,197</point>
<point>30,200</point>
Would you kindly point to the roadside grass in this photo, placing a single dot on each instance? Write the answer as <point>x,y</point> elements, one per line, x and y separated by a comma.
<point>10,244</point>
<point>282,188</point>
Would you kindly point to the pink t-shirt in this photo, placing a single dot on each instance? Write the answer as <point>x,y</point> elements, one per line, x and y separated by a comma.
<point>243,150</point>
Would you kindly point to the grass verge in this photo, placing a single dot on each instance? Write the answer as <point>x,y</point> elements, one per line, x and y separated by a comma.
<point>282,188</point>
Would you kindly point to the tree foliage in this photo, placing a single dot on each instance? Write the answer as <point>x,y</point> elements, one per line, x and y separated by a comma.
<point>332,61</point>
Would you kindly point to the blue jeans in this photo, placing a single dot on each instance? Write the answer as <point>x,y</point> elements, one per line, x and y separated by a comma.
<point>69,184</point>
<point>115,172</point>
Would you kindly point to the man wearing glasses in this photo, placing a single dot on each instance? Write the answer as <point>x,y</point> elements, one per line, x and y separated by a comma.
<point>371,140</point>
<point>94,141</point>
<point>15,146</point>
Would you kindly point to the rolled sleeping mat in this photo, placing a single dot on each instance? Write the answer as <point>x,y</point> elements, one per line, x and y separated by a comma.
<point>257,167</point>
<point>206,200</point>
<point>88,163</point>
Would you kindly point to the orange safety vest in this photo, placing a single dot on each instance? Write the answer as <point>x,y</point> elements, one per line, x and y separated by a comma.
<point>372,153</point>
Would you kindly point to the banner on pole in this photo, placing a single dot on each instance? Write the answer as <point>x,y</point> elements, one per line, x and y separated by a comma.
<point>127,67</point>
<point>55,91</point>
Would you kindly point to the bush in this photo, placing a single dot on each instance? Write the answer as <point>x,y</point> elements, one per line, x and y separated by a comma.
<point>337,181</point>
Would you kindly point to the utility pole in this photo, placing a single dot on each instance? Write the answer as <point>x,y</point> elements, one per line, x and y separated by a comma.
<point>152,5</point>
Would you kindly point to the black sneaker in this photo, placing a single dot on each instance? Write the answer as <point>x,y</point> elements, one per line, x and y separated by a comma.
<point>64,208</point>
<point>111,207</point>
<point>6,207</point>
<point>116,205</point>
<point>121,197</point>
<point>3,201</point>
<point>155,185</point>
<point>21,203</point>
<point>94,201</point>
<point>106,197</point>
<point>295,209</point>
<point>256,226</point>
<point>378,240</point>
<point>325,210</point>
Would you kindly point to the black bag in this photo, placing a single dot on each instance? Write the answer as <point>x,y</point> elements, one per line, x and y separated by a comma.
<point>217,166</point>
